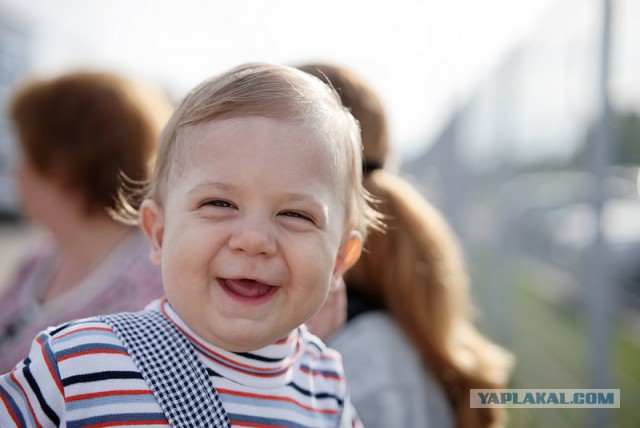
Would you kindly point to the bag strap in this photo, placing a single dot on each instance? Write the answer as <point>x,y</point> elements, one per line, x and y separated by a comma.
<point>171,368</point>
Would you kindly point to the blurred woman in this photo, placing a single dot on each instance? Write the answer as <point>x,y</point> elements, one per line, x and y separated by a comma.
<point>411,351</point>
<point>79,134</point>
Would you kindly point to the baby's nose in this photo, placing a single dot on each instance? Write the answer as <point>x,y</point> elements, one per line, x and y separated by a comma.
<point>253,238</point>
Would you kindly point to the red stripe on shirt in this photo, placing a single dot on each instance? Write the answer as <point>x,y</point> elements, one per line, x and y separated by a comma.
<point>253,424</point>
<point>128,423</point>
<point>6,405</point>
<point>316,354</point>
<point>52,372</point>
<point>276,398</point>
<point>74,331</point>
<point>319,373</point>
<point>92,352</point>
<point>33,413</point>
<point>92,395</point>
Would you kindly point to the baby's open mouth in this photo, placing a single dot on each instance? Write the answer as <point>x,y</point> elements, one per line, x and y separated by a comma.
<point>247,287</point>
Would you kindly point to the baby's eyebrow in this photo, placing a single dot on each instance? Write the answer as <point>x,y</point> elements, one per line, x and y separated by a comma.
<point>304,197</point>
<point>207,185</point>
<point>311,201</point>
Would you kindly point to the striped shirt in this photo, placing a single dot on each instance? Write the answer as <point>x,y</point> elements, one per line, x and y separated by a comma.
<point>80,375</point>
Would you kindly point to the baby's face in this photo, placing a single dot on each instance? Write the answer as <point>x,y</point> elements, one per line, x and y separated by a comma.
<point>249,238</point>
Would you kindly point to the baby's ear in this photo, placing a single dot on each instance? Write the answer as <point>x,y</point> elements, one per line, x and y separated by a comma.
<point>349,253</point>
<point>152,222</point>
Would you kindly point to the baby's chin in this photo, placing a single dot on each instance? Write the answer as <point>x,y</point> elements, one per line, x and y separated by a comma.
<point>234,325</point>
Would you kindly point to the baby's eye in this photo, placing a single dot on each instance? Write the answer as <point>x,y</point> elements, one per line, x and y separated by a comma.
<point>296,214</point>
<point>218,203</point>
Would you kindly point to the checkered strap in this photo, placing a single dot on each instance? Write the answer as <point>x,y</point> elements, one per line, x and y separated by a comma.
<point>171,367</point>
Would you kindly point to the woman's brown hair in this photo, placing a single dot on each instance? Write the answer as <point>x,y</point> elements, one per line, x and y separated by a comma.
<point>87,128</point>
<point>415,269</point>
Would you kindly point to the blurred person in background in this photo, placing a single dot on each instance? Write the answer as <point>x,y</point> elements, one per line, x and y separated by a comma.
<point>411,351</point>
<point>78,133</point>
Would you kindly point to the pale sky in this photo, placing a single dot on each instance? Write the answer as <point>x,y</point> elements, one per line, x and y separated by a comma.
<point>423,56</point>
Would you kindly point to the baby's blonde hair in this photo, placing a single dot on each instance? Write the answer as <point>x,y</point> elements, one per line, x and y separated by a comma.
<point>272,91</point>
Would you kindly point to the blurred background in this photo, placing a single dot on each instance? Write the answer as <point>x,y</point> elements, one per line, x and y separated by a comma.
<point>519,119</point>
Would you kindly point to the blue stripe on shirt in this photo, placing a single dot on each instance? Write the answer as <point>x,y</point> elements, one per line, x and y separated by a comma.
<point>269,403</point>
<point>90,347</point>
<point>102,375</point>
<point>13,408</point>
<point>91,332</point>
<point>106,420</point>
<point>262,421</point>
<point>53,416</point>
<point>110,399</point>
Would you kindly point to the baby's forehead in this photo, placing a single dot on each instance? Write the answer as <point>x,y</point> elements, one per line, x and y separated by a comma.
<point>319,142</point>
<point>315,136</point>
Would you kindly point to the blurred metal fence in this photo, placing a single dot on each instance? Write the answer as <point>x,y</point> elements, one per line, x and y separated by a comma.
<point>539,178</point>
